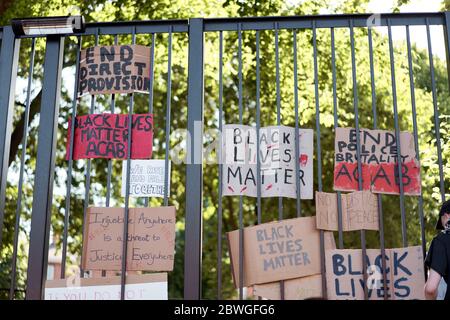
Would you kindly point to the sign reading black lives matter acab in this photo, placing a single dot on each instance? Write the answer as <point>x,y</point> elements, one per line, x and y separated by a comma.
<point>114,69</point>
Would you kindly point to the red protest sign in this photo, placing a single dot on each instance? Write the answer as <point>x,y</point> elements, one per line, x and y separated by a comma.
<point>379,168</point>
<point>106,136</point>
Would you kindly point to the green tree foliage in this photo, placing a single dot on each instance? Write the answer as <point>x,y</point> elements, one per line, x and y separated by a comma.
<point>102,10</point>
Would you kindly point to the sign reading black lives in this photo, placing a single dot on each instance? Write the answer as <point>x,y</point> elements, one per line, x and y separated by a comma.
<point>114,69</point>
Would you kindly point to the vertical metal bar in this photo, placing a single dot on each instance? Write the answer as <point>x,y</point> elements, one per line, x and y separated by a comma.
<point>446,27</point>
<point>70,164</point>
<point>258,127</point>
<point>358,148</point>
<point>150,92</point>
<point>219,216</point>
<point>397,137</point>
<point>319,156</point>
<point>335,113</point>
<point>416,138</point>
<point>169,86</point>
<point>379,198</point>
<point>123,274</point>
<point>436,113</point>
<point>88,178</point>
<point>194,167</point>
<point>241,223</point>
<point>9,57</point>
<point>12,286</point>
<point>297,141</point>
<point>45,167</point>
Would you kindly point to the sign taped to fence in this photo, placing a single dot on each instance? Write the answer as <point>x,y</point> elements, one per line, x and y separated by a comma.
<point>404,274</point>
<point>106,136</point>
<point>294,289</point>
<point>114,69</point>
<point>359,211</point>
<point>278,250</point>
<point>378,162</point>
<point>277,159</point>
<point>151,239</point>
<point>138,287</point>
<point>146,178</point>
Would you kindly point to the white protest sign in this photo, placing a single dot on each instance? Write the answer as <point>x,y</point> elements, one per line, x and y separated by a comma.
<point>277,159</point>
<point>138,287</point>
<point>146,178</point>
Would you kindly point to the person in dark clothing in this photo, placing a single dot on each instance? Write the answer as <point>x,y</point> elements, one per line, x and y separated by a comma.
<point>438,257</point>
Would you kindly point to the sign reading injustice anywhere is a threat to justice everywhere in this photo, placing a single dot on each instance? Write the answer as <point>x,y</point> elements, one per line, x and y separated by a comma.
<point>106,136</point>
<point>114,69</point>
<point>378,151</point>
<point>277,159</point>
<point>404,274</point>
<point>151,239</point>
<point>279,250</point>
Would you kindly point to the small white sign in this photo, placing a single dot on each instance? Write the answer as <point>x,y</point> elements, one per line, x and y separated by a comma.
<point>146,178</point>
<point>138,287</point>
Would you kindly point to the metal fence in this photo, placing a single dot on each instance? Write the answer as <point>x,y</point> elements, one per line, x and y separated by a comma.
<point>192,117</point>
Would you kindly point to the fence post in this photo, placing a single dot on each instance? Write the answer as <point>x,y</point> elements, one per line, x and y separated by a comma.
<point>194,168</point>
<point>45,165</point>
<point>9,57</point>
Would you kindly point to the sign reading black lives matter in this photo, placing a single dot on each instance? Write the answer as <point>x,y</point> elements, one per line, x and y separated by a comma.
<point>277,160</point>
<point>114,69</point>
<point>147,178</point>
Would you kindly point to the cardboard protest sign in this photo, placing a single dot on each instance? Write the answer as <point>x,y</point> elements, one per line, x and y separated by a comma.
<point>151,239</point>
<point>146,178</point>
<point>138,287</point>
<point>359,211</point>
<point>294,289</point>
<point>114,69</point>
<point>278,251</point>
<point>404,274</point>
<point>106,136</point>
<point>379,167</point>
<point>277,159</point>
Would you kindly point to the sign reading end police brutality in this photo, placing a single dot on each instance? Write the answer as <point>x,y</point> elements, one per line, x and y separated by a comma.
<point>114,69</point>
<point>378,151</point>
<point>277,159</point>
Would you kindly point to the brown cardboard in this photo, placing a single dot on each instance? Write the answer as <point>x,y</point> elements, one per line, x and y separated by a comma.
<point>111,69</point>
<point>278,251</point>
<point>294,289</point>
<point>359,211</point>
<point>378,162</point>
<point>151,239</point>
<point>404,273</point>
